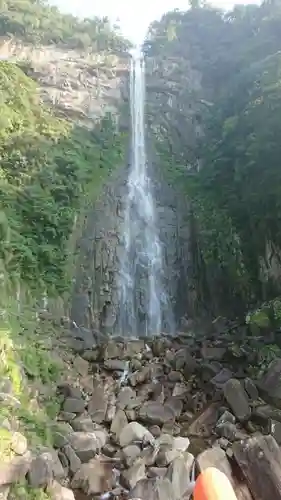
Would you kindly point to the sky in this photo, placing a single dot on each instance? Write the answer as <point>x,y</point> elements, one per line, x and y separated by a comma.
<point>134,15</point>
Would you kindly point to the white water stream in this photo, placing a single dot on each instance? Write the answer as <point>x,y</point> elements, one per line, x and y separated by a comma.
<point>141,290</point>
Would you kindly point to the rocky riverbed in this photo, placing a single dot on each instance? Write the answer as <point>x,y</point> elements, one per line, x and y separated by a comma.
<point>145,416</point>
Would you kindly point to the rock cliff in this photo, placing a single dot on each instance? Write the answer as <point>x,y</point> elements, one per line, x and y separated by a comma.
<point>81,85</point>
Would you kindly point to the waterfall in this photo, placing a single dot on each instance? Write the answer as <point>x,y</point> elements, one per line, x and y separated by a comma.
<point>141,290</point>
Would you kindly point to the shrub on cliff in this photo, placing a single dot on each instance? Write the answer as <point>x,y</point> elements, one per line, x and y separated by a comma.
<point>47,167</point>
<point>39,23</point>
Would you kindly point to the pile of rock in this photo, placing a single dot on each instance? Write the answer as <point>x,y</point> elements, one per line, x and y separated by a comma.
<point>144,418</point>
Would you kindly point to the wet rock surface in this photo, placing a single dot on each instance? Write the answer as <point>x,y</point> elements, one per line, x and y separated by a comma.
<point>147,430</point>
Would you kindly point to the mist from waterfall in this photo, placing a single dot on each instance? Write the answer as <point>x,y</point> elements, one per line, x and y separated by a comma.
<point>141,275</point>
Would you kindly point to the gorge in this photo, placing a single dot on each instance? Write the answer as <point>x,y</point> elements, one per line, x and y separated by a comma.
<point>139,254</point>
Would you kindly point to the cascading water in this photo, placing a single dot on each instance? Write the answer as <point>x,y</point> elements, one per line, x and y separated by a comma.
<point>141,291</point>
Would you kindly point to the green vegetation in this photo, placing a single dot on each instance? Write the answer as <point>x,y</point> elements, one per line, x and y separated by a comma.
<point>48,168</point>
<point>226,75</point>
<point>36,22</point>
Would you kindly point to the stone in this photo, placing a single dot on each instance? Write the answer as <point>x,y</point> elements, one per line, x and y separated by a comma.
<point>229,431</point>
<point>140,376</point>
<point>74,461</point>
<point>18,443</point>
<point>83,423</point>
<point>90,355</point>
<point>4,492</point>
<point>237,399</point>
<point>58,492</point>
<point>205,422</point>
<point>73,405</point>
<point>114,350</point>
<point>214,457</point>
<point>153,489</point>
<point>111,408</point>
<point>251,389</point>
<point>59,439</point>
<point>181,443</point>
<point>155,430</point>
<point>270,384</point>
<point>179,473</point>
<point>131,452</point>
<point>118,424</point>
<point>156,471</point>
<point>85,445</point>
<point>66,416</point>
<point>183,360</point>
<point>125,396</point>
<point>221,378</point>
<point>226,417</point>
<point>81,365</point>
<point>69,391</point>
<point>180,389</point>
<point>213,353</point>
<point>174,376</point>
<point>115,365</point>
<point>134,474</point>
<point>94,478</point>
<point>166,456</point>
<point>98,404</point>
<point>134,432</point>
<point>175,404</point>
<point>275,430</point>
<point>15,470</point>
<point>155,413</point>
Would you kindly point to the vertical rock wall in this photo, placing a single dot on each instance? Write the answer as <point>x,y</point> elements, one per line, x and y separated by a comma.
<point>95,302</point>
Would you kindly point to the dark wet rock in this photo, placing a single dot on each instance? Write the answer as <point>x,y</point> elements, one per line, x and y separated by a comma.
<point>74,461</point>
<point>134,432</point>
<point>251,389</point>
<point>221,378</point>
<point>237,399</point>
<point>212,353</point>
<point>155,413</point>
<point>59,439</point>
<point>73,405</point>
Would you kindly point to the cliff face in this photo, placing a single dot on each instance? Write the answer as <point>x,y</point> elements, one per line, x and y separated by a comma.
<point>81,86</point>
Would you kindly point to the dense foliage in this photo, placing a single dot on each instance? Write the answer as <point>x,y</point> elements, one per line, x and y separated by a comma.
<point>34,21</point>
<point>225,84</point>
<point>47,168</point>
